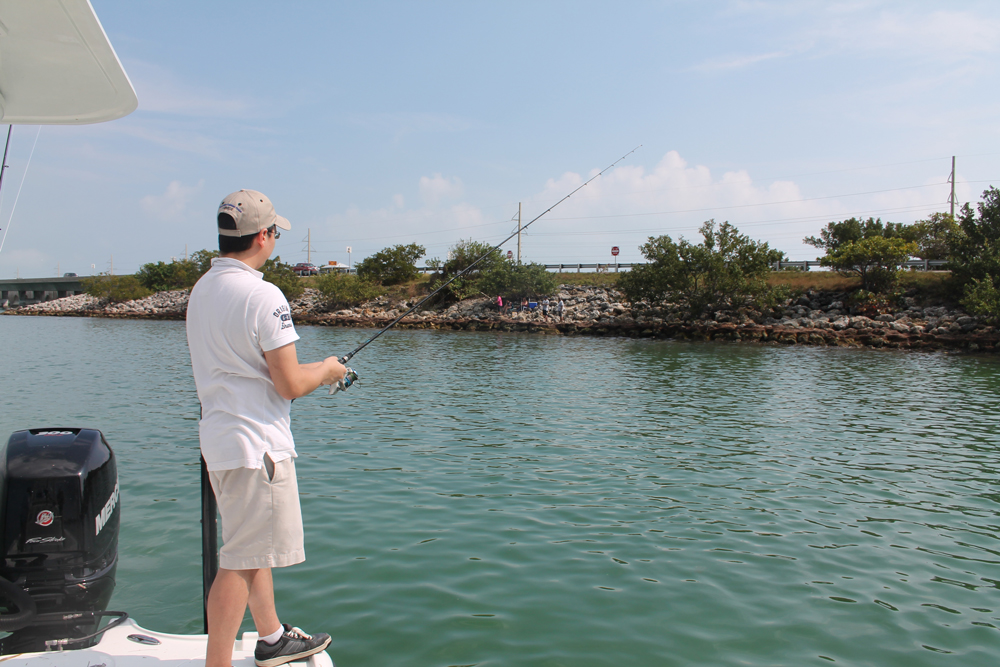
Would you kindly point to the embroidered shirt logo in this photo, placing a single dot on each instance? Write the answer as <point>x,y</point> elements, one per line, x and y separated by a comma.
<point>284,316</point>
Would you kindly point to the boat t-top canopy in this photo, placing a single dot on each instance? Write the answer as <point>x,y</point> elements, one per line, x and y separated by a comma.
<point>57,66</point>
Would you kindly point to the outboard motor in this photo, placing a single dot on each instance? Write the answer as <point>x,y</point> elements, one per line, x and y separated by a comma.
<point>59,521</point>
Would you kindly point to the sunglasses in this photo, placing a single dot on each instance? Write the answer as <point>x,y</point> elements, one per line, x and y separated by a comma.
<point>273,230</point>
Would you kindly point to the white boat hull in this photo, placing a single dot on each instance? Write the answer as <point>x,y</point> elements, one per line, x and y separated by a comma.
<point>116,650</point>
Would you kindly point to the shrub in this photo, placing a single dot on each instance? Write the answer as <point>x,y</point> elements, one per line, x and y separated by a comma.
<point>178,274</point>
<point>461,256</point>
<point>837,234</point>
<point>871,304</point>
<point>876,260</point>
<point>114,289</point>
<point>516,281</point>
<point>873,250</point>
<point>983,298</point>
<point>975,245</point>
<point>160,276</point>
<point>931,235</point>
<point>727,270</point>
<point>392,266</point>
<point>345,291</point>
<point>203,260</point>
<point>278,273</point>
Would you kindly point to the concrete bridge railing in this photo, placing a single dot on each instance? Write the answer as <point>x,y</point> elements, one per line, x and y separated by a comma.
<point>24,291</point>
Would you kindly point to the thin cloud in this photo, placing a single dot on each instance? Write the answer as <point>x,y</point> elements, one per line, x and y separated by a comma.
<point>402,124</point>
<point>629,204</point>
<point>738,62</point>
<point>185,141</point>
<point>435,188</point>
<point>161,91</point>
<point>859,29</point>
<point>172,205</point>
<point>947,35</point>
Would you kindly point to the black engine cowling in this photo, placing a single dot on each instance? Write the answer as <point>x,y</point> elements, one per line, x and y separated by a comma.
<point>59,521</point>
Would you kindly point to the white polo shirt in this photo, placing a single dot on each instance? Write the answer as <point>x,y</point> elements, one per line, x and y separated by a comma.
<point>233,317</point>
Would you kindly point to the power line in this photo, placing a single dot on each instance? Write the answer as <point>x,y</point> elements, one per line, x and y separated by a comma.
<point>735,206</point>
<point>756,223</point>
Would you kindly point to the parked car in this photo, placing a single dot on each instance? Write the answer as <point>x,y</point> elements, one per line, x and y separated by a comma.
<point>69,275</point>
<point>306,269</point>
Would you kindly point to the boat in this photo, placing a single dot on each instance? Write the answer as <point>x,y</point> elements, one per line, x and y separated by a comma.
<point>60,505</point>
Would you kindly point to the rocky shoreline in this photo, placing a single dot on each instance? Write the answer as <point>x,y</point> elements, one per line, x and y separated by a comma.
<point>814,318</point>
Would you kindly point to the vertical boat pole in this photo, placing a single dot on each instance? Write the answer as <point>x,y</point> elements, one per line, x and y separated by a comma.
<point>209,537</point>
<point>3,165</point>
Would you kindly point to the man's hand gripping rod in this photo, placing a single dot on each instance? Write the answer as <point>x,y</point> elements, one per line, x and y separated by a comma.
<point>351,377</point>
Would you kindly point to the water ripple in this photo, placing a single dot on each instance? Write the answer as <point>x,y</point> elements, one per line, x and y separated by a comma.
<point>485,499</point>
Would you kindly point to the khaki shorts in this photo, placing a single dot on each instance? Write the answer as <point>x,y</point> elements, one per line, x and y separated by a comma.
<point>261,517</point>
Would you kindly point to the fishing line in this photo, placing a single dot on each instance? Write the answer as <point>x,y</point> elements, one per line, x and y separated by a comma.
<point>352,377</point>
<point>23,176</point>
<point>3,167</point>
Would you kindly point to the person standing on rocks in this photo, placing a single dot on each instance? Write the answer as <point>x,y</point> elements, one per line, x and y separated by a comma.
<point>246,370</point>
<point>545,307</point>
<point>560,307</point>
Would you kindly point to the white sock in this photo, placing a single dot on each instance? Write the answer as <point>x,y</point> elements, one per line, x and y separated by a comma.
<point>273,638</point>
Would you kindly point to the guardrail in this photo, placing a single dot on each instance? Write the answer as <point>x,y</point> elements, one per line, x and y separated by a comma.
<point>805,265</point>
<point>919,264</point>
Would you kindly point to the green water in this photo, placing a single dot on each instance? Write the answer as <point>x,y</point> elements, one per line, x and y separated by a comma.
<point>487,499</point>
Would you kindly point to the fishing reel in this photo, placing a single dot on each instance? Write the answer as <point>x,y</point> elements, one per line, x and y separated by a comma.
<point>345,383</point>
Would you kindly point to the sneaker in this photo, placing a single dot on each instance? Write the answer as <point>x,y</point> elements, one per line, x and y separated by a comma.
<point>293,645</point>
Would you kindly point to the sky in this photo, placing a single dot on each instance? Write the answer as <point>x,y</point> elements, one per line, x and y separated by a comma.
<point>381,123</point>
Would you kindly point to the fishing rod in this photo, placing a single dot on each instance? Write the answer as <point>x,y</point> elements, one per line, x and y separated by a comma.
<point>351,376</point>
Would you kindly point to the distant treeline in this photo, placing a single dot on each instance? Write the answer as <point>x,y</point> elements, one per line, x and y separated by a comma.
<point>728,270</point>
<point>725,271</point>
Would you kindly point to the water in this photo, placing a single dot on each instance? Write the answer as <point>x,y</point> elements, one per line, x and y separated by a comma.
<point>486,499</point>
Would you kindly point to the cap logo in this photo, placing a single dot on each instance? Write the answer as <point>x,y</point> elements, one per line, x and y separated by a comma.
<point>232,206</point>
<point>45,518</point>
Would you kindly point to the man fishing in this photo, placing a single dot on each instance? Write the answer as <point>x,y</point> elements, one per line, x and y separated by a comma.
<point>242,344</point>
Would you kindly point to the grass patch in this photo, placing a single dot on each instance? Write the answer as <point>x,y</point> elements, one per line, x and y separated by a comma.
<point>803,281</point>
<point>930,282</point>
<point>931,286</point>
<point>418,286</point>
<point>587,279</point>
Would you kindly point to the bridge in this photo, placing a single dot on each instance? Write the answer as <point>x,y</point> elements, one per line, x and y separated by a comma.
<point>917,264</point>
<point>24,291</point>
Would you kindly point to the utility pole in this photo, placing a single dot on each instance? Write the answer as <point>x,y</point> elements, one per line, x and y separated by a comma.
<point>951,179</point>
<point>185,252</point>
<point>309,247</point>
<point>348,259</point>
<point>518,232</point>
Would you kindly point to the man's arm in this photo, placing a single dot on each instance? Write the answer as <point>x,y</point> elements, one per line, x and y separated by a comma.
<point>293,379</point>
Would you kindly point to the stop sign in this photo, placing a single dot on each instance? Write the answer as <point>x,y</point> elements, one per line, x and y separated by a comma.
<point>614,250</point>
<point>510,253</point>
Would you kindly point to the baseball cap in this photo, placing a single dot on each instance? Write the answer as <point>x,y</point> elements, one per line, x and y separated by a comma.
<point>252,211</point>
